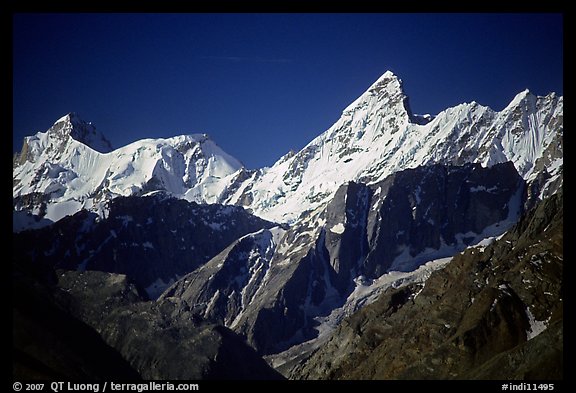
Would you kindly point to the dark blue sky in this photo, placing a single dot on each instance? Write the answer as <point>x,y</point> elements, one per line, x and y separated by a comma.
<point>262,84</point>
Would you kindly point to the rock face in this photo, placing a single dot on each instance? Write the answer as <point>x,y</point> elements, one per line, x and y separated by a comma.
<point>422,211</point>
<point>272,285</point>
<point>153,239</point>
<point>222,289</point>
<point>494,312</point>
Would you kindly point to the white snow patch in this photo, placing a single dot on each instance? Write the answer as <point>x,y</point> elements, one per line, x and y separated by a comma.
<point>212,303</point>
<point>338,228</point>
<point>536,327</point>
<point>57,211</point>
<point>484,243</point>
<point>493,305</point>
<point>504,288</point>
<point>367,291</point>
<point>277,234</point>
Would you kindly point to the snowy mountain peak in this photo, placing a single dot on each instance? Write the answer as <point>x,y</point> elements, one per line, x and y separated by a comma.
<point>378,135</point>
<point>386,94</point>
<point>385,78</point>
<point>71,117</point>
<point>81,131</point>
<point>66,134</point>
<point>72,167</point>
<point>519,98</point>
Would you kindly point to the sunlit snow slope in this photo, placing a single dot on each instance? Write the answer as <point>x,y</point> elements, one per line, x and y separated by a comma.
<point>378,135</point>
<point>57,175</point>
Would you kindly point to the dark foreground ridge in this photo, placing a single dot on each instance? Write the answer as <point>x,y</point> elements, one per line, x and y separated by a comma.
<point>95,325</point>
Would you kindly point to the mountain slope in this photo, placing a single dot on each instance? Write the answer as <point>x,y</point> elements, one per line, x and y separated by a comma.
<point>153,239</point>
<point>57,174</point>
<point>494,312</point>
<point>94,325</point>
<point>158,340</point>
<point>47,341</point>
<point>272,286</point>
<point>377,135</point>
